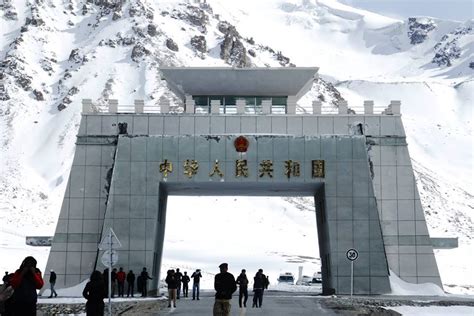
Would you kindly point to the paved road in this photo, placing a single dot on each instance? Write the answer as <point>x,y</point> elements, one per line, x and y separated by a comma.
<point>274,304</point>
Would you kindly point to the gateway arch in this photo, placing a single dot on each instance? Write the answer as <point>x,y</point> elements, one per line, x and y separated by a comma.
<point>240,135</point>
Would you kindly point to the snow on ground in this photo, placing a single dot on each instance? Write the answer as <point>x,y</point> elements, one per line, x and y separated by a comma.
<point>13,250</point>
<point>434,310</point>
<point>456,269</point>
<point>400,287</point>
<point>248,233</point>
<point>74,291</point>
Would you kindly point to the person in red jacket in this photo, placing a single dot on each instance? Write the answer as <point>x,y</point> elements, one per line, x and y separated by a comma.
<point>25,281</point>
<point>121,281</point>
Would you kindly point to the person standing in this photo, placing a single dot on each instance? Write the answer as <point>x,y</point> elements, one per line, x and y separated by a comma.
<point>196,276</point>
<point>144,277</point>
<point>5,278</point>
<point>113,278</point>
<point>25,281</point>
<point>121,281</point>
<point>6,291</point>
<point>225,286</point>
<point>172,281</point>
<point>179,277</point>
<point>52,282</point>
<point>258,286</point>
<point>243,283</point>
<point>130,283</point>
<point>94,293</point>
<point>185,281</point>
<point>105,279</point>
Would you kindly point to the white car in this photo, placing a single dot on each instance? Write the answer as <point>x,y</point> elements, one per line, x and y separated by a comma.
<point>317,278</point>
<point>287,278</point>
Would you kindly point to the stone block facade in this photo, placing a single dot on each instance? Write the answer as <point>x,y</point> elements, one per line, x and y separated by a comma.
<point>366,200</point>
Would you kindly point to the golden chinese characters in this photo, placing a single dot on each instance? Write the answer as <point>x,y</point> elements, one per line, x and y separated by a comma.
<point>166,167</point>
<point>266,167</point>
<point>292,168</point>
<point>216,170</point>
<point>241,168</point>
<point>317,168</point>
<point>190,167</point>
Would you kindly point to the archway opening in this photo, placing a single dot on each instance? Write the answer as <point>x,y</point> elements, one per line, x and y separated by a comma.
<point>276,234</point>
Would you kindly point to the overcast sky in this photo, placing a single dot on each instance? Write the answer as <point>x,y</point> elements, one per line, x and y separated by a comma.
<point>460,10</point>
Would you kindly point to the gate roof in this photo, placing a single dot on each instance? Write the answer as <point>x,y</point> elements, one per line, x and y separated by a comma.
<point>294,81</point>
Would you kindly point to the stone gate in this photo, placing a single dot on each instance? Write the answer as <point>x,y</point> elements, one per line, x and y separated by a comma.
<point>240,134</point>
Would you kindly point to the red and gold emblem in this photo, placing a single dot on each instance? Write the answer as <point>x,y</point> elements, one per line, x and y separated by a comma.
<point>241,144</point>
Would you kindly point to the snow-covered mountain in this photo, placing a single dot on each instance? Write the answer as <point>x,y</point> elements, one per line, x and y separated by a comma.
<point>53,53</point>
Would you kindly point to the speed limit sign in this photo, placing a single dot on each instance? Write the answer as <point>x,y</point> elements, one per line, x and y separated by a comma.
<point>352,254</point>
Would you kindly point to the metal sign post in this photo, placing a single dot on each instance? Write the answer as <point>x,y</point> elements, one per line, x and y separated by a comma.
<point>110,274</point>
<point>110,258</point>
<point>352,255</point>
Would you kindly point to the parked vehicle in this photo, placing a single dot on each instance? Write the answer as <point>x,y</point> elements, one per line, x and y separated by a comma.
<point>306,280</point>
<point>317,278</point>
<point>287,278</point>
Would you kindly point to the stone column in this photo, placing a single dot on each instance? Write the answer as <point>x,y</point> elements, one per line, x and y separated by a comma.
<point>368,107</point>
<point>189,104</point>
<point>317,107</point>
<point>113,106</point>
<point>86,105</point>
<point>291,105</point>
<point>395,106</point>
<point>342,105</point>
<point>266,106</point>
<point>139,106</point>
<point>240,106</point>
<point>165,106</point>
<point>215,106</point>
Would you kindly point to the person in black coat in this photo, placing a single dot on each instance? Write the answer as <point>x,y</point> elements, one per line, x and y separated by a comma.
<point>94,293</point>
<point>185,279</point>
<point>196,276</point>
<point>130,282</point>
<point>243,283</point>
<point>225,286</point>
<point>113,278</point>
<point>179,278</point>
<point>6,278</point>
<point>259,283</point>
<point>52,282</point>
<point>144,279</point>
<point>105,279</point>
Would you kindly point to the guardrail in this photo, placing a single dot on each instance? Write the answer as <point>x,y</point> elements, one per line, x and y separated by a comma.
<point>342,108</point>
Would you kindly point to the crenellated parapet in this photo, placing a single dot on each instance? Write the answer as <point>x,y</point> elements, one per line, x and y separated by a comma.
<point>216,108</point>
